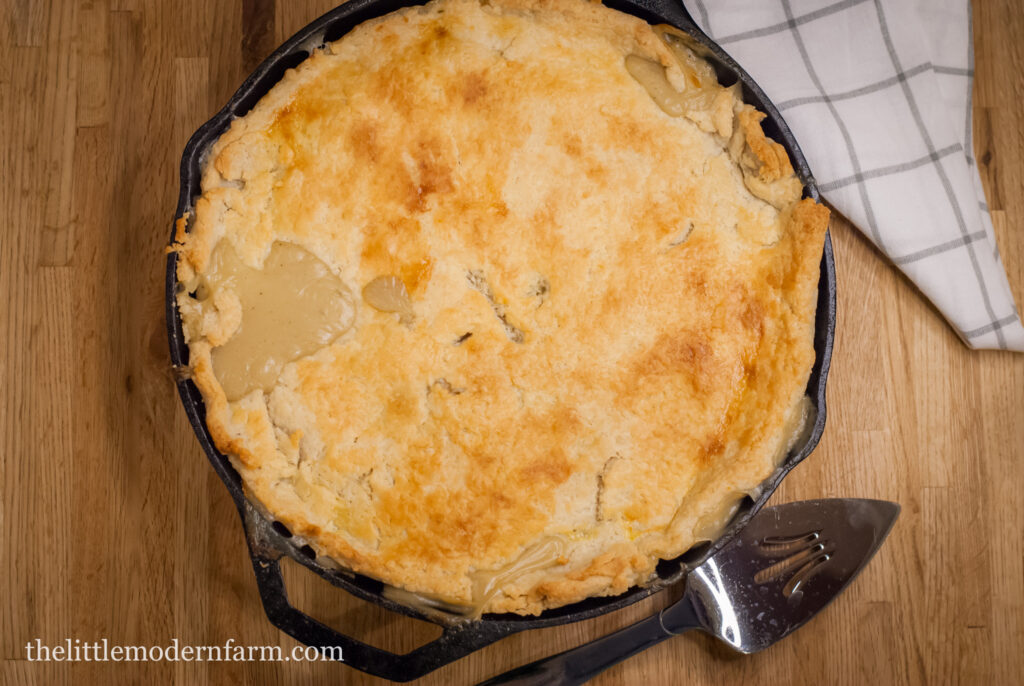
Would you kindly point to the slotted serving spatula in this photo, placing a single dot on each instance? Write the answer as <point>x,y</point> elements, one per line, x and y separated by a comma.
<point>783,568</point>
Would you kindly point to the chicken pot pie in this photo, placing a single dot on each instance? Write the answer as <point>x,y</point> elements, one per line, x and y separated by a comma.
<point>501,302</point>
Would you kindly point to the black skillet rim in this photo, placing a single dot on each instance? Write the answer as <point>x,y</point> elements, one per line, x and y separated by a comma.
<point>267,543</point>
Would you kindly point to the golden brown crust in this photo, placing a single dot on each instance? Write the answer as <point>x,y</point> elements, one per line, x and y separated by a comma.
<point>639,288</point>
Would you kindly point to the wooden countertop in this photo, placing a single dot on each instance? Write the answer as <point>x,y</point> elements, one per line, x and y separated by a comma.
<point>114,525</point>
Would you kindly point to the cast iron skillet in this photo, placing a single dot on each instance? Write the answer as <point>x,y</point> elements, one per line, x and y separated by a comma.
<point>269,540</point>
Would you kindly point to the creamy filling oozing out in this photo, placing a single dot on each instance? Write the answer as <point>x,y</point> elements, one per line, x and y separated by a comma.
<point>543,554</point>
<point>488,583</point>
<point>290,308</point>
<point>700,84</point>
<point>389,294</point>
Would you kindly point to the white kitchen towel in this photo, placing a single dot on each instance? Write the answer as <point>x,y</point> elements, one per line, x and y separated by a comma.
<point>878,93</point>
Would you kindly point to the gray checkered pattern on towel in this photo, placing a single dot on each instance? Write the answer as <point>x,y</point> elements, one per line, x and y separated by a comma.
<point>878,94</point>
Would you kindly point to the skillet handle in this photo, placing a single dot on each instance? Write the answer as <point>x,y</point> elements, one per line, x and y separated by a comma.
<point>454,643</point>
<point>266,549</point>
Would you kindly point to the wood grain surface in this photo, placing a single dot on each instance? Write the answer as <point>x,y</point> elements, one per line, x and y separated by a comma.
<point>114,526</point>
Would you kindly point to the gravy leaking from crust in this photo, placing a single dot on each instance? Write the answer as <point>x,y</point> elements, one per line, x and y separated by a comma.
<point>487,583</point>
<point>795,431</point>
<point>698,78</point>
<point>540,556</point>
<point>389,294</point>
<point>290,308</point>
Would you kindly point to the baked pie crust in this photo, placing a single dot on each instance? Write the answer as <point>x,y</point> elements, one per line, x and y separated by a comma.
<point>501,302</point>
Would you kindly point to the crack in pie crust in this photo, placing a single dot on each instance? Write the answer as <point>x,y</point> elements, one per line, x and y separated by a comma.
<point>501,303</point>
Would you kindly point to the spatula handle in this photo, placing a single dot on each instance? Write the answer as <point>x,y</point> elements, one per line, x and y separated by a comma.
<point>581,664</point>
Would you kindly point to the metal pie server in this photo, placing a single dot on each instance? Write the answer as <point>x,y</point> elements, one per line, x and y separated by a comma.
<point>783,568</point>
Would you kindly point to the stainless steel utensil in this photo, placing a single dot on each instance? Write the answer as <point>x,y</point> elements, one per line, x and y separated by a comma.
<point>786,565</point>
